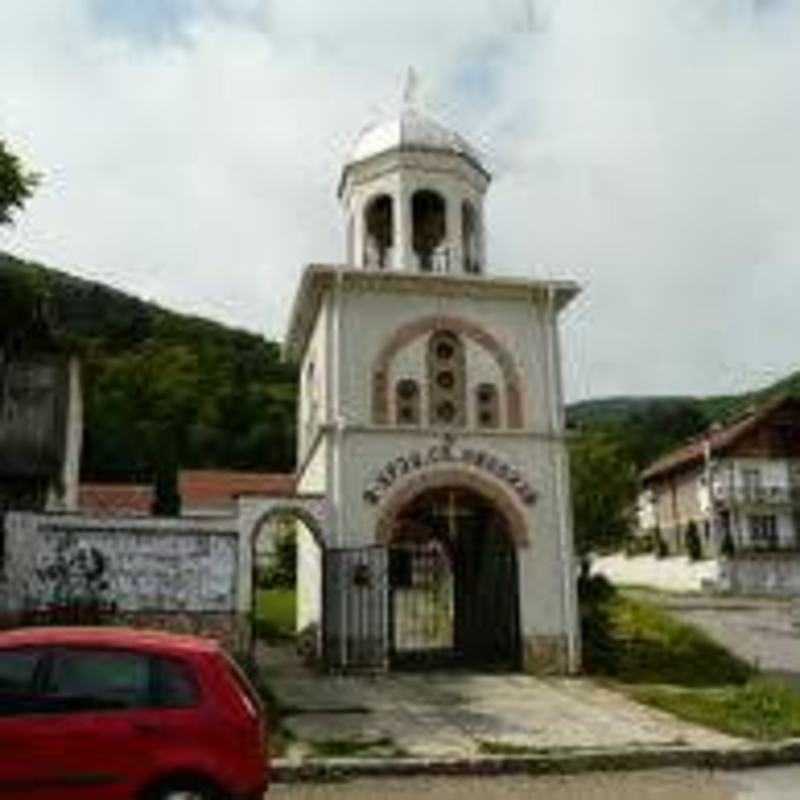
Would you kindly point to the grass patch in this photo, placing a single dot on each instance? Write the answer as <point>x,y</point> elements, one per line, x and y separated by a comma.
<point>635,642</point>
<point>276,611</point>
<point>761,709</point>
<point>673,666</point>
<point>356,748</point>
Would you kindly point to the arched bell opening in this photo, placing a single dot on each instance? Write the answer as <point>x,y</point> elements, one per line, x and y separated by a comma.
<point>429,221</point>
<point>379,232</point>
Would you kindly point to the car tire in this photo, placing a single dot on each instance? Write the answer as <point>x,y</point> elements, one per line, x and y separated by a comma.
<point>185,789</point>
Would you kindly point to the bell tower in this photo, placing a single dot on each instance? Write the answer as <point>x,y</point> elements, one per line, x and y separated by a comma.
<point>412,192</point>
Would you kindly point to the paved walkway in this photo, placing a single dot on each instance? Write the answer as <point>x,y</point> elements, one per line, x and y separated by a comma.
<point>454,714</point>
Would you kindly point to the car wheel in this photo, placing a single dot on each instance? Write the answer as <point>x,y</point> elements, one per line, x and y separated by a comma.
<point>186,790</point>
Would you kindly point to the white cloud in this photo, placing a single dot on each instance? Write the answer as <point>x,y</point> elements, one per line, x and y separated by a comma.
<point>648,149</point>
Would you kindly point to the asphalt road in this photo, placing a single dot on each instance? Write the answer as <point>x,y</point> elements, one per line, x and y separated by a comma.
<point>768,784</point>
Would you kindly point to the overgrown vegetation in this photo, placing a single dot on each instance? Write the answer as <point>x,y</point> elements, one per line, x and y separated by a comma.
<point>17,183</point>
<point>761,709</point>
<point>381,747</point>
<point>673,666</point>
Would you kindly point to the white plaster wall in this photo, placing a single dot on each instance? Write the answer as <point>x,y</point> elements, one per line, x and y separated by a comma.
<point>518,324</point>
<point>673,574</point>
<point>774,575</point>
<point>309,579</point>
<point>314,477</point>
<point>316,391</point>
<point>541,575</point>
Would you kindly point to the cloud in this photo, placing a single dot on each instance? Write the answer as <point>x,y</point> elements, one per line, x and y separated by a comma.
<point>647,147</point>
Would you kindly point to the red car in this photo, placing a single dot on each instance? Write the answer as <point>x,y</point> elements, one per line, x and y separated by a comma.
<point>115,714</point>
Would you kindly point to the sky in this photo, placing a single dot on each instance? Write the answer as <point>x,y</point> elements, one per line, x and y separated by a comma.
<point>649,149</point>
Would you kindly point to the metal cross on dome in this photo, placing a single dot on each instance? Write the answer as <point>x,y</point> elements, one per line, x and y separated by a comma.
<point>411,90</point>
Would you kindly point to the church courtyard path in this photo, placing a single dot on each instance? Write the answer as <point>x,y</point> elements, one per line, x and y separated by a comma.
<point>449,714</point>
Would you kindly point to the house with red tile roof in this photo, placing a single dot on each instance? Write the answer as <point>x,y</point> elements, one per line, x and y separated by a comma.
<point>737,485</point>
<point>203,493</point>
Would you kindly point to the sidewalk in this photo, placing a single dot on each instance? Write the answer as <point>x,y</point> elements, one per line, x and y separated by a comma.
<point>462,722</point>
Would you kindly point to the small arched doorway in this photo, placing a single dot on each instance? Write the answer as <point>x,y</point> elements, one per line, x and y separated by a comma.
<point>277,537</point>
<point>454,582</point>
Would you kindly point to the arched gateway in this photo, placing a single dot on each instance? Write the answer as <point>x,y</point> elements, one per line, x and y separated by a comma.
<point>453,579</point>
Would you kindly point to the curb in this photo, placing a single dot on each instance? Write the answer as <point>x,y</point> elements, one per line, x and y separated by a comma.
<point>564,762</point>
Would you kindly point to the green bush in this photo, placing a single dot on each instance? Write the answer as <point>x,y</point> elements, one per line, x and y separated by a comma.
<point>281,570</point>
<point>728,549</point>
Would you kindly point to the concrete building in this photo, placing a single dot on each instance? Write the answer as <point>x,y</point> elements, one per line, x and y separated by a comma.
<point>431,419</point>
<point>41,433</point>
<point>739,482</point>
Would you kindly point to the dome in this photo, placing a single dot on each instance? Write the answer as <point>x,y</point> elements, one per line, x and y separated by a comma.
<point>410,130</point>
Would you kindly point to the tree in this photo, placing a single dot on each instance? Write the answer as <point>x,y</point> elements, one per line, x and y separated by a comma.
<point>603,491</point>
<point>16,184</point>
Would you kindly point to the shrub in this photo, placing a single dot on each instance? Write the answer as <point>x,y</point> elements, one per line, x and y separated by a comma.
<point>595,594</point>
<point>727,546</point>
<point>281,571</point>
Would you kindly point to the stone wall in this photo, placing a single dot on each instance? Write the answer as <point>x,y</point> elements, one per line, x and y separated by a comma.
<point>769,574</point>
<point>180,575</point>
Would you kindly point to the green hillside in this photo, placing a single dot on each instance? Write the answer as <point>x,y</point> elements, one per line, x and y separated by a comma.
<point>161,388</point>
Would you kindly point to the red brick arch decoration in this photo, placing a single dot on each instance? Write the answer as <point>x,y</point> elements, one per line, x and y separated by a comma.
<point>452,476</point>
<point>408,333</point>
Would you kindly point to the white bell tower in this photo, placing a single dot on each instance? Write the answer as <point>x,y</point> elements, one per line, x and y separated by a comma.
<point>412,192</point>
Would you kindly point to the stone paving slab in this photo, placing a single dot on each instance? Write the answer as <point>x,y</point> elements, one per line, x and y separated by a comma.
<point>456,714</point>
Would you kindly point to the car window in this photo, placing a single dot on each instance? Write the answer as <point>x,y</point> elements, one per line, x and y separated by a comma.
<point>99,679</point>
<point>175,685</point>
<point>17,681</point>
<point>17,670</point>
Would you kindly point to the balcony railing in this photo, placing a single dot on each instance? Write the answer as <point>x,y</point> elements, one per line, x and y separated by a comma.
<point>758,495</point>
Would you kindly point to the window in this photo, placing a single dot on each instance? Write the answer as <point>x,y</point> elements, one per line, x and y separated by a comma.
<point>446,379</point>
<point>751,481</point>
<point>407,402</point>
<point>763,529</point>
<point>174,685</point>
<point>18,673</point>
<point>98,679</point>
<point>17,670</point>
<point>487,406</point>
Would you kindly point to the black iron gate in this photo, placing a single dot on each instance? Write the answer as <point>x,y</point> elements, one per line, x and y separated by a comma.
<point>431,603</point>
<point>454,603</point>
<point>355,603</point>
